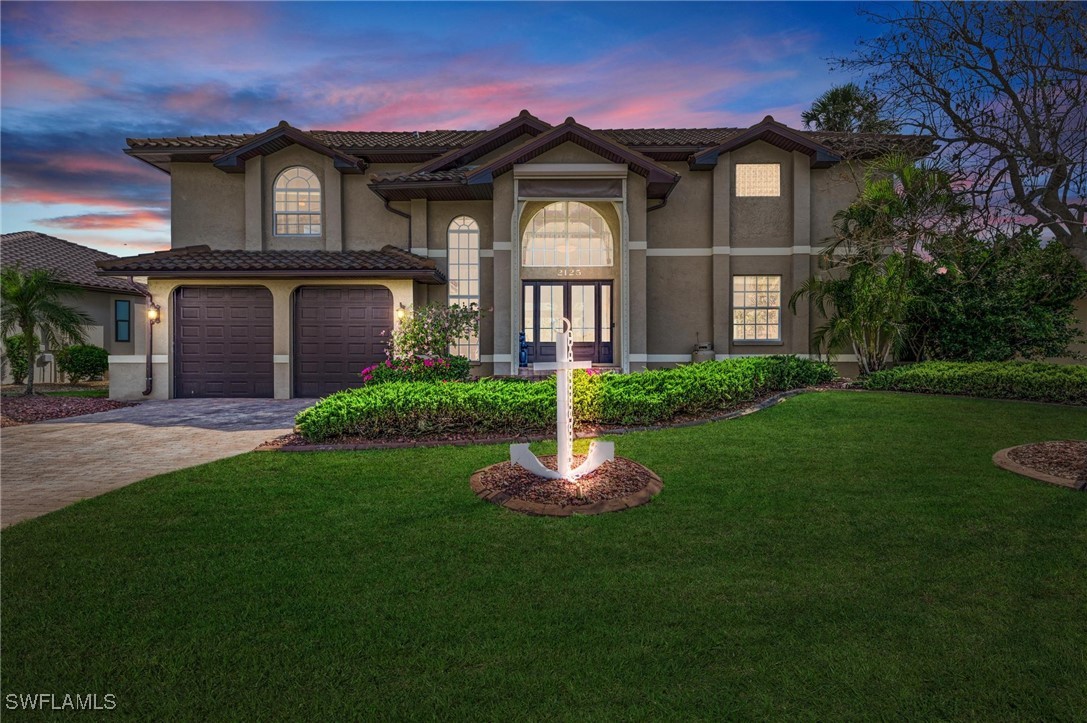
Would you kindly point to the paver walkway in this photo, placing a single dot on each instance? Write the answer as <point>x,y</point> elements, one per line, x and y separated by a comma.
<point>49,465</point>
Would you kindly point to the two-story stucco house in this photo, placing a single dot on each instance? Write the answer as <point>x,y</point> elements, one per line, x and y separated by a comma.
<point>293,252</point>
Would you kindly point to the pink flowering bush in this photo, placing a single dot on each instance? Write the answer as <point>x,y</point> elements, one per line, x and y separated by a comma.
<point>417,369</point>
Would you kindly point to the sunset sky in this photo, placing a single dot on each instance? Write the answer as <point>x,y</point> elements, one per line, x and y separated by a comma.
<point>79,78</point>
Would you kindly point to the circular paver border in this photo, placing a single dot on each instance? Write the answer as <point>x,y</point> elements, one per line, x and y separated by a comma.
<point>1003,460</point>
<point>500,498</point>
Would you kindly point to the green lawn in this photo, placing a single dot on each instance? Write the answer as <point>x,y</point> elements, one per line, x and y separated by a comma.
<point>839,556</point>
<point>103,393</point>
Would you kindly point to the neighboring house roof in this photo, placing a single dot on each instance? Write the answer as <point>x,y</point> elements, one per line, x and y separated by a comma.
<point>71,262</point>
<point>203,261</point>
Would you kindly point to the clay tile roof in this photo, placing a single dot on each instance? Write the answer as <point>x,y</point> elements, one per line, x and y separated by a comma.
<point>456,174</point>
<point>73,263</point>
<point>669,136</point>
<point>204,261</point>
<point>355,140</point>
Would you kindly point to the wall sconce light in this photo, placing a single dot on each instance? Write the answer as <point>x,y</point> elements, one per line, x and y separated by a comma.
<point>401,312</point>
<point>153,314</point>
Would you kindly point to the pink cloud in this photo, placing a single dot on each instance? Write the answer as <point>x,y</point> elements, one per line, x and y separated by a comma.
<point>28,81</point>
<point>139,219</point>
<point>622,88</point>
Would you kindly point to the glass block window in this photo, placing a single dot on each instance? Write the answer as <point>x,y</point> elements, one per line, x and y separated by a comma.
<point>297,203</point>
<point>756,308</point>
<point>122,320</point>
<point>567,233</point>
<point>758,179</point>
<point>463,245</point>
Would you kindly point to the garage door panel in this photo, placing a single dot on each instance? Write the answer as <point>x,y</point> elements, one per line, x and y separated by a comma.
<point>338,331</point>
<point>223,344</point>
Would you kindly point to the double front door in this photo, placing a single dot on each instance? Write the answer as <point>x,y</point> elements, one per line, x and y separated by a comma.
<point>588,306</point>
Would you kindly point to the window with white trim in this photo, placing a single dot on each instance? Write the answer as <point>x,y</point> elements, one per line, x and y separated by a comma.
<point>297,203</point>
<point>567,233</point>
<point>758,179</point>
<point>463,250</point>
<point>756,308</point>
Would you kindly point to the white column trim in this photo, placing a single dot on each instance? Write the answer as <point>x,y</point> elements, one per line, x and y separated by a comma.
<point>624,284</point>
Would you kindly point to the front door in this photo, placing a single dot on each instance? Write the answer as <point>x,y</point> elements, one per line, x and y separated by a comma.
<point>588,306</point>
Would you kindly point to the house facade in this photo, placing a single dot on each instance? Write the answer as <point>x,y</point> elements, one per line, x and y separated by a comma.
<point>116,307</point>
<point>294,253</point>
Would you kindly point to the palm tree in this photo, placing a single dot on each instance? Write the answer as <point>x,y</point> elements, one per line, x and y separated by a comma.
<point>847,108</point>
<point>33,300</point>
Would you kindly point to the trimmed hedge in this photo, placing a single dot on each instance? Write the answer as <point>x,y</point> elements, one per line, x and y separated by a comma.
<point>82,361</point>
<point>1033,381</point>
<point>510,407</point>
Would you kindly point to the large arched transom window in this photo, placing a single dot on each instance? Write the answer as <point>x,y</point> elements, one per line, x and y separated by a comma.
<point>567,233</point>
<point>463,243</point>
<point>297,203</point>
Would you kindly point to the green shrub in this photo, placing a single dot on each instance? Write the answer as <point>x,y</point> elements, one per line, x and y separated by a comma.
<point>16,353</point>
<point>418,369</point>
<point>82,361</point>
<point>1033,381</point>
<point>511,407</point>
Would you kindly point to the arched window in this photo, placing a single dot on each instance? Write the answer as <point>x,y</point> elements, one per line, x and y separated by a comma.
<point>297,203</point>
<point>463,243</point>
<point>567,233</point>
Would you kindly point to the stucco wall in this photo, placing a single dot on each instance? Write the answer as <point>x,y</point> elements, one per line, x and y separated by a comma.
<point>759,222</point>
<point>686,220</point>
<point>367,225</point>
<point>207,206</point>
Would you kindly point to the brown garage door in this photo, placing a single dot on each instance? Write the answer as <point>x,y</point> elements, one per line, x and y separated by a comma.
<point>338,331</point>
<point>223,342</point>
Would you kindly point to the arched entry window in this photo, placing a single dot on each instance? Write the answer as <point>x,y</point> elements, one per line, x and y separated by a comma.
<point>297,203</point>
<point>463,243</point>
<point>567,233</point>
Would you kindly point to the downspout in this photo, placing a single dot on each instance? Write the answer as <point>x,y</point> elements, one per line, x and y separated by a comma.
<point>400,213</point>
<point>150,330</point>
<point>662,204</point>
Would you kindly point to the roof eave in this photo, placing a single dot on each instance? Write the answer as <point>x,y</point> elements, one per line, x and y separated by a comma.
<point>425,276</point>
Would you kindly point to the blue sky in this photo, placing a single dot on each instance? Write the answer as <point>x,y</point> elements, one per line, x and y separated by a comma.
<point>78,78</point>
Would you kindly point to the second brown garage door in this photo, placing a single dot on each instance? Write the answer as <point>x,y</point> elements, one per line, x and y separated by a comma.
<point>223,342</point>
<point>338,330</point>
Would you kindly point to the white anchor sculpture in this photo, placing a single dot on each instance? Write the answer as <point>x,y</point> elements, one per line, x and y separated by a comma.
<point>599,452</point>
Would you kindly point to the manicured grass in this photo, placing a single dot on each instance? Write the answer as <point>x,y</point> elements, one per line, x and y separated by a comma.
<point>96,393</point>
<point>839,556</point>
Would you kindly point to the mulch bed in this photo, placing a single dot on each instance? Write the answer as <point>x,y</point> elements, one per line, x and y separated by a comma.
<point>16,410</point>
<point>1064,459</point>
<point>613,486</point>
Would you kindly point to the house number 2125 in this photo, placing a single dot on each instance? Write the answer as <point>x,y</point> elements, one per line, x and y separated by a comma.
<point>569,272</point>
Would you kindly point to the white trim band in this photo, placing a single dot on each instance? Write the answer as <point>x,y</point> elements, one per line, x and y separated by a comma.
<point>502,246</point>
<point>281,358</point>
<point>679,252</point>
<point>495,358</point>
<point>137,358</point>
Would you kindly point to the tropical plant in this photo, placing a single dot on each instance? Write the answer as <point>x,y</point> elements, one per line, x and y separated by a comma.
<point>865,310</point>
<point>904,206</point>
<point>847,108</point>
<point>15,356</point>
<point>33,301</point>
<point>430,330</point>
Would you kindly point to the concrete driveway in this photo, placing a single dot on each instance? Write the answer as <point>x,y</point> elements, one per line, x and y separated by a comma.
<point>49,465</point>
